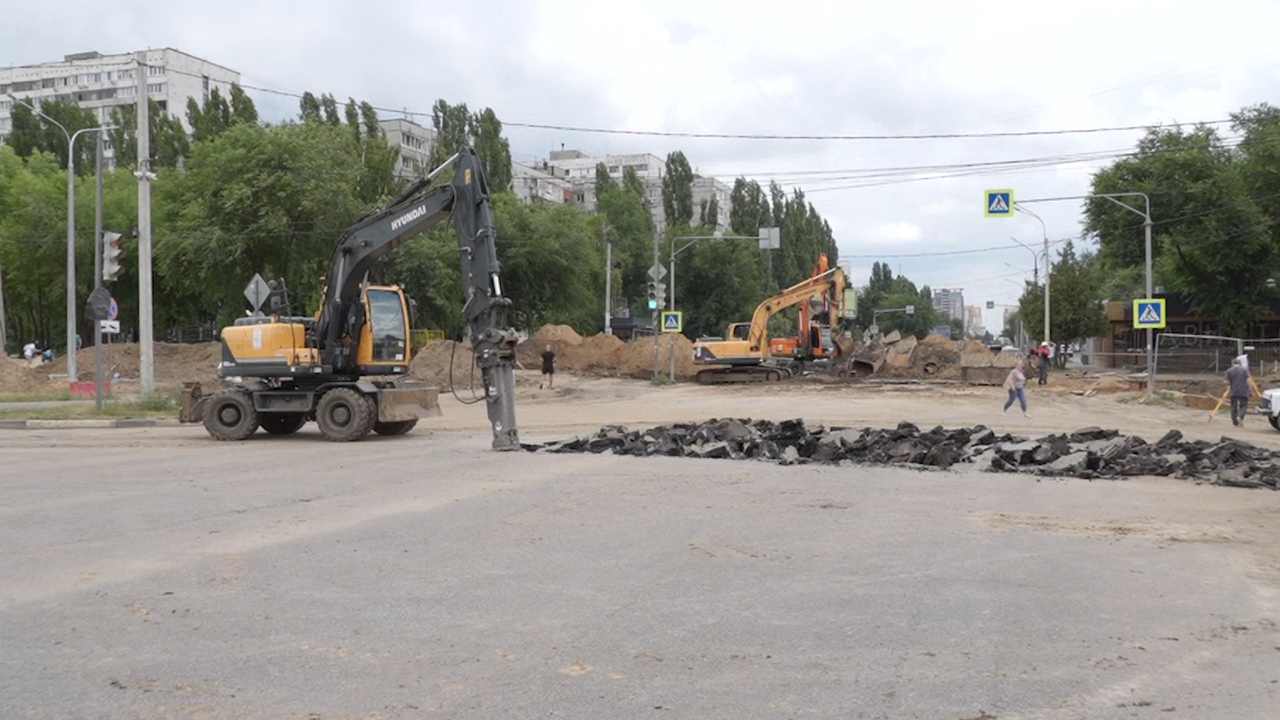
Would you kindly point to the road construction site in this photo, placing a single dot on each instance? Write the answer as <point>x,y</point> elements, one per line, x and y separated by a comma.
<point>151,574</point>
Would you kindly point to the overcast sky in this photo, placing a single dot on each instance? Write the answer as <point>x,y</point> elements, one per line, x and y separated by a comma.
<point>747,67</point>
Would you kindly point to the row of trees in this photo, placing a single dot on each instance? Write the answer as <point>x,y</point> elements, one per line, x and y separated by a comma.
<point>240,196</point>
<point>1215,206</point>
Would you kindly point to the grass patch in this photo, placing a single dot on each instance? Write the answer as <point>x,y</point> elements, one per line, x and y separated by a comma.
<point>37,397</point>
<point>160,405</point>
<point>662,380</point>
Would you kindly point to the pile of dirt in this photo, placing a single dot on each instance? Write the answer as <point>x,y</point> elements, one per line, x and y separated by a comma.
<point>598,354</point>
<point>975,355</point>
<point>175,364</point>
<point>17,376</point>
<point>431,363</point>
<point>635,359</point>
<point>936,356</point>
<point>562,339</point>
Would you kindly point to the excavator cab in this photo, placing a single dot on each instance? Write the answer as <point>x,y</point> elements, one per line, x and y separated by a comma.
<point>383,347</point>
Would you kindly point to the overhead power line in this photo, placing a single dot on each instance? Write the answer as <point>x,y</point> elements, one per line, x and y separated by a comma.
<point>759,136</point>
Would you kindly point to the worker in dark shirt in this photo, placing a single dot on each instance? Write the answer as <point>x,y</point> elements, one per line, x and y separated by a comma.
<point>548,367</point>
<point>1238,378</point>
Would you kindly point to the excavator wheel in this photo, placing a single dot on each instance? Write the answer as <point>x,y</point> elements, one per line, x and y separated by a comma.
<point>280,423</point>
<point>344,415</point>
<point>774,375</point>
<point>230,415</point>
<point>394,428</point>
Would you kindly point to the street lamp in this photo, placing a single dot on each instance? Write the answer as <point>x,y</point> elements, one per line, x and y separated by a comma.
<point>1047,265</point>
<point>71,230</point>
<point>763,238</point>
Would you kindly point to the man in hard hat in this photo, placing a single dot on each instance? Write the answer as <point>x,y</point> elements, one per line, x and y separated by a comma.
<point>1044,354</point>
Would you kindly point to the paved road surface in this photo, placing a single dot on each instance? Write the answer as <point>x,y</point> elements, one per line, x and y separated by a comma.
<point>158,574</point>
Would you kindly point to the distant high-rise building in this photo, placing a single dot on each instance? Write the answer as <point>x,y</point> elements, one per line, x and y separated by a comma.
<point>973,321</point>
<point>949,302</point>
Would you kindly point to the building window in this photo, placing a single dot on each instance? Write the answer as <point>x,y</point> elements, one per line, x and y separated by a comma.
<point>613,169</point>
<point>154,70</point>
<point>155,89</point>
<point>642,167</point>
<point>5,104</point>
<point>127,91</point>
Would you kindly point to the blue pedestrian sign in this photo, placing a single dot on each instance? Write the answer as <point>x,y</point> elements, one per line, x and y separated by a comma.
<point>672,321</point>
<point>999,203</point>
<point>1149,313</point>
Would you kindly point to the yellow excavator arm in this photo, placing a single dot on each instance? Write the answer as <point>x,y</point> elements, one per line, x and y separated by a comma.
<point>755,349</point>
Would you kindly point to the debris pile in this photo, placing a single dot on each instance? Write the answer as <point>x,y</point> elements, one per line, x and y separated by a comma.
<point>1087,453</point>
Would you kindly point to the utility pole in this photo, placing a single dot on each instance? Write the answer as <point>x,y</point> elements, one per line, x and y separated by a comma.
<point>657,336</point>
<point>97,276</point>
<point>145,338</point>
<point>608,282</point>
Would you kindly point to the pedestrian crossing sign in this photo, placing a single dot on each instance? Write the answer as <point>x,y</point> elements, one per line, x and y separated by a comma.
<point>999,203</point>
<point>1149,313</point>
<point>672,321</point>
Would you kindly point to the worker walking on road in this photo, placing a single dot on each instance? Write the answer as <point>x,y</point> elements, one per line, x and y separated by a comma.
<point>1016,384</point>
<point>548,367</point>
<point>1238,378</point>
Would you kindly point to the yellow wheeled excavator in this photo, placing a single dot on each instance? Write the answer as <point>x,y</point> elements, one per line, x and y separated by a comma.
<point>743,354</point>
<point>347,367</point>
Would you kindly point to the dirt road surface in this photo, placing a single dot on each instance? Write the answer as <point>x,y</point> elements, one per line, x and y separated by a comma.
<point>159,574</point>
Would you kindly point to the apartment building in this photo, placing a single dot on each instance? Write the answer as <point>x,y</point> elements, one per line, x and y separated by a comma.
<point>415,143</point>
<point>102,83</point>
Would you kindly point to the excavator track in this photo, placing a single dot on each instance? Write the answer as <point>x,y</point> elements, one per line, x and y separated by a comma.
<point>743,374</point>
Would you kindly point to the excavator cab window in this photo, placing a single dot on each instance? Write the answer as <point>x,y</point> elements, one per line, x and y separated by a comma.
<point>386,314</point>
<point>740,331</point>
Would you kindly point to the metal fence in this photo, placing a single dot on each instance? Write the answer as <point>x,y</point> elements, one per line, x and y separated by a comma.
<point>1185,354</point>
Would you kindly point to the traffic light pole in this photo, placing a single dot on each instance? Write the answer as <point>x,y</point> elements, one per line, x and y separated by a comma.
<point>97,279</point>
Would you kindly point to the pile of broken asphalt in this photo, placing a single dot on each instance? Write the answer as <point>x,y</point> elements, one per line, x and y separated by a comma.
<point>1087,453</point>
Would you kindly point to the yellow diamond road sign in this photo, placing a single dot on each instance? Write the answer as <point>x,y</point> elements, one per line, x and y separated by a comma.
<point>672,321</point>
<point>1149,313</point>
<point>999,203</point>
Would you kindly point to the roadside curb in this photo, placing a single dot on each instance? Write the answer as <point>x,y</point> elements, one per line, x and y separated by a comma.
<point>87,424</point>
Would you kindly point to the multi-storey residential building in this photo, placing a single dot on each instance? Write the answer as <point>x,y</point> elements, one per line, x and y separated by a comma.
<point>102,83</point>
<point>536,183</point>
<point>949,302</point>
<point>415,143</point>
<point>579,169</point>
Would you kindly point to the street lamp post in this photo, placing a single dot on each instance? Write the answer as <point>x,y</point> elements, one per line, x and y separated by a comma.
<point>71,232</point>
<point>693,239</point>
<point>1047,266</point>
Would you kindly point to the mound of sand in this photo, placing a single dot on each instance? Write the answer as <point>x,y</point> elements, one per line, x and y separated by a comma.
<point>635,359</point>
<point>175,364</point>
<point>598,354</point>
<point>431,363</point>
<point>562,339</point>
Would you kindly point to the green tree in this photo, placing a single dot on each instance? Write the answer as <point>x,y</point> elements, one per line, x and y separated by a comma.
<point>25,136</point>
<point>1076,310</point>
<point>210,120</point>
<point>242,108</point>
<point>493,149</point>
<point>720,282</point>
<point>1212,241</point>
<point>169,142</point>
<point>677,191</point>
<point>272,200</point>
<point>309,108</point>
<point>630,228</point>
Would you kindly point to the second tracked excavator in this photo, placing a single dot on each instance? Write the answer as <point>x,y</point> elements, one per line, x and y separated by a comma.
<point>743,354</point>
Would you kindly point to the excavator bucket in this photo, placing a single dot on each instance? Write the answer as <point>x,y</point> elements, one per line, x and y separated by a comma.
<point>407,401</point>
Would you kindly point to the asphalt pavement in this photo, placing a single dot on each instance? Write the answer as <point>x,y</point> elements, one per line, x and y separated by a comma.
<point>159,574</point>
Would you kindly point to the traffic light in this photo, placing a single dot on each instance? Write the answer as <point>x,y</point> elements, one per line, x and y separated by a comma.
<point>112,249</point>
<point>653,295</point>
